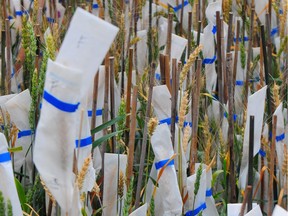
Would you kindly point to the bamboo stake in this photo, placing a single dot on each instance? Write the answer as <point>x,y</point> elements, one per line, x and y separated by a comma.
<point>167,72</point>
<point>249,55</point>
<point>94,103</point>
<point>271,167</point>
<point>219,65</point>
<point>199,31</point>
<point>195,116</point>
<point>174,100</point>
<point>230,33</point>
<point>231,177</point>
<point>144,142</point>
<point>244,4</point>
<point>203,18</point>
<point>3,71</point>
<point>128,95</point>
<point>162,69</point>
<point>8,60</point>
<point>236,53</point>
<point>250,162</point>
<point>133,126</point>
<point>224,77</point>
<point>189,44</point>
<point>247,192</point>
<point>181,18</point>
<point>169,34</point>
<point>112,101</point>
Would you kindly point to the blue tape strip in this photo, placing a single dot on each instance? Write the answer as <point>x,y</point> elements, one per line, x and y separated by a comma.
<point>234,116</point>
<point>280,11</point>
<point>18,13</point>
<point>240,39</point>
<point>25,12</point>
<point>209,60</point>
<point>157,76</point>
<point>187,124</point>
<point>65,107</point>
<point>25,133</point>
<point>262,152</point>
<point>50,20</point>
<point>162,163</point>
<point>167,121</point>
<point>239,83</point>
<point>13,73</point>
<point>95,6</point>
<point>274,31</point>
<point>209,192</point>
<point>99,112</point>
<point>214,29</point>
<point>5,157</point>
<point>279,137</point>
<point>83,142</point>
<point>178,7</point>
<point>10,17</point>
<point>196,211</point>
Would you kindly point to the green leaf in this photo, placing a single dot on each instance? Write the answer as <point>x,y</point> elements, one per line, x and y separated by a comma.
<point>16,149</point>
<point>21,195</point>
<point>215,175</point>
<point>107,124</point>
<point>99,141</point>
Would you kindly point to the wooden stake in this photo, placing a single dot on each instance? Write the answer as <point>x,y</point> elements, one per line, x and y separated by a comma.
<point>94,103</point>
<point>247,192</point>
<point>8,59</point>
<point>230,33</point>
<point>250,162</point>
<point>162,69</point>
<point>112,101</point>
<point>3,71</point>
<point>224,77</point>
<point>169,34</point>
<point>271,167</point>
<point>181,18</point>
<point>249,56</point>
<point>236,53</point>
<point>174,100</point>
<point>167,72</point>
<point>231,177</point>
<point>144,142</point>
<point>128,95</point>
<point>195,116</point>
<point>133,126</point>
<point>219,65</point>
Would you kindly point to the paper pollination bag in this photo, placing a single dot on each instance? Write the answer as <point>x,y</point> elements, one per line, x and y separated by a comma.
<point>18,108</point>
<point>60,101</point>
<point>196,204</point>
<point>141,211</point>
<point>256,105</point>
<point>7,184</point>
<point>114,168</point>
<point>168,185</point>
<point>233,209</point>
<point>280,138</point>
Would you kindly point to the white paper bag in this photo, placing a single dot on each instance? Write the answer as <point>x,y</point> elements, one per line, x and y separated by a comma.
<point>7,185</point>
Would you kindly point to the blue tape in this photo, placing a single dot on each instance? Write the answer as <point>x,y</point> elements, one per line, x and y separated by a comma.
<point>18,13</point>
<point>95,6</point>
<point>214,29</point>
<point>240,39</point>
<point>25,133</point>
<point>279,137</point>
<point>209,192</point>
<point>167,121</point>
<point>162,163</point>
<point>50,20</point>
<point>178,7</point>
<point>99,112</point>
<point>280,11</point>
<point>83,142</point>
<point>187,124</point>
<point>5,157</point>
<point>234,116</point>
<point>209,60</point>
<point>65,107</point>
<point>10,17</point>
<point>262,152</point>
<point>157,76</point>
<point>239,83</point>
<point>196,211</point>
<point>274,31</point>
